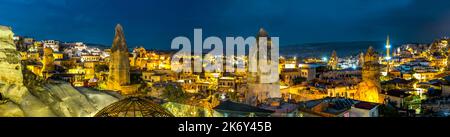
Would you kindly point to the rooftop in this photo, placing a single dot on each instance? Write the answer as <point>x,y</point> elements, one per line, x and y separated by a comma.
<point>397,93</point>
<point>366,105</point>
<point>239,107</point>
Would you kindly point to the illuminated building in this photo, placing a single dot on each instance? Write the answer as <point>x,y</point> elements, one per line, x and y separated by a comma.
<point>149,60</point>
<point>288,75</point>
<point>424,75</point>
<point>33,56</point>
<point>204,86</point>
<point>315,60</point>
<point>343,76</point>
<point>89,68</point>
<point>303,93</point>
<point>53,44</point>
<point>308,71</point>
<point>289,70</point>
<point>345,91</point>
<point>58,55</point>
<point>227,84</point>
<point>290,63</point>
<point>90,58</point>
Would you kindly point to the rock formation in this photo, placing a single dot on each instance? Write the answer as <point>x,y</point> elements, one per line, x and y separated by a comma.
<point>25,94</point>
<point>370,87</point>
<point>334,60</point>
<point>47,62</point>
<point>260,83</point>
<point>119,65</point>
<point>9,58</point>
<point>361,59</point>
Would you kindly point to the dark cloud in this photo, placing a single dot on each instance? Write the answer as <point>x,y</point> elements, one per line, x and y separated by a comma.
<point>154,23</point>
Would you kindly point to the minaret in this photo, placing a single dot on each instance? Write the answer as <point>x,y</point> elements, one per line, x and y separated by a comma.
<point>388,47</point>
<point>388,55</point>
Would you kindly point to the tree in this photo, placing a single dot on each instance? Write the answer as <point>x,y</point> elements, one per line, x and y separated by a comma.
<point>388,111</point>
<point>174,94</point>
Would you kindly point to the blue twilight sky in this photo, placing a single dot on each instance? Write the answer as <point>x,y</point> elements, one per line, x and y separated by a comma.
<point>154,23</point>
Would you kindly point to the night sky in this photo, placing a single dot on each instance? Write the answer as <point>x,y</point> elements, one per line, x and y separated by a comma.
<point>155,23</point>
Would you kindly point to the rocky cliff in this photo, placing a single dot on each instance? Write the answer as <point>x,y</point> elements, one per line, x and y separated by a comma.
<point>24,94</point>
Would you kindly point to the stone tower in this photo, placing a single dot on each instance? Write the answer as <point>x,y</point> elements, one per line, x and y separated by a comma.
<point>119,65</point>
<point>333,63</point>
<point>370,87</point>
<point>260,87</point>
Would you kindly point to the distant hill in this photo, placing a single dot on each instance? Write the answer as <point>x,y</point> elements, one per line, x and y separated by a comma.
<point>309,49</point>
<point>325,49</point>
<point>100,46</point>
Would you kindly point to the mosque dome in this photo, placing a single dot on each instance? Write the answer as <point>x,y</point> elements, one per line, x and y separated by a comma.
<point>134,107</point>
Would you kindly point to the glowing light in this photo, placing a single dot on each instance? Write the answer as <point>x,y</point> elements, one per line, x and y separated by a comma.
<point>388,46</point>
<point>289,66</point>
<point>222,96</point>
<point>354,66</point>
<point>324,59</point>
